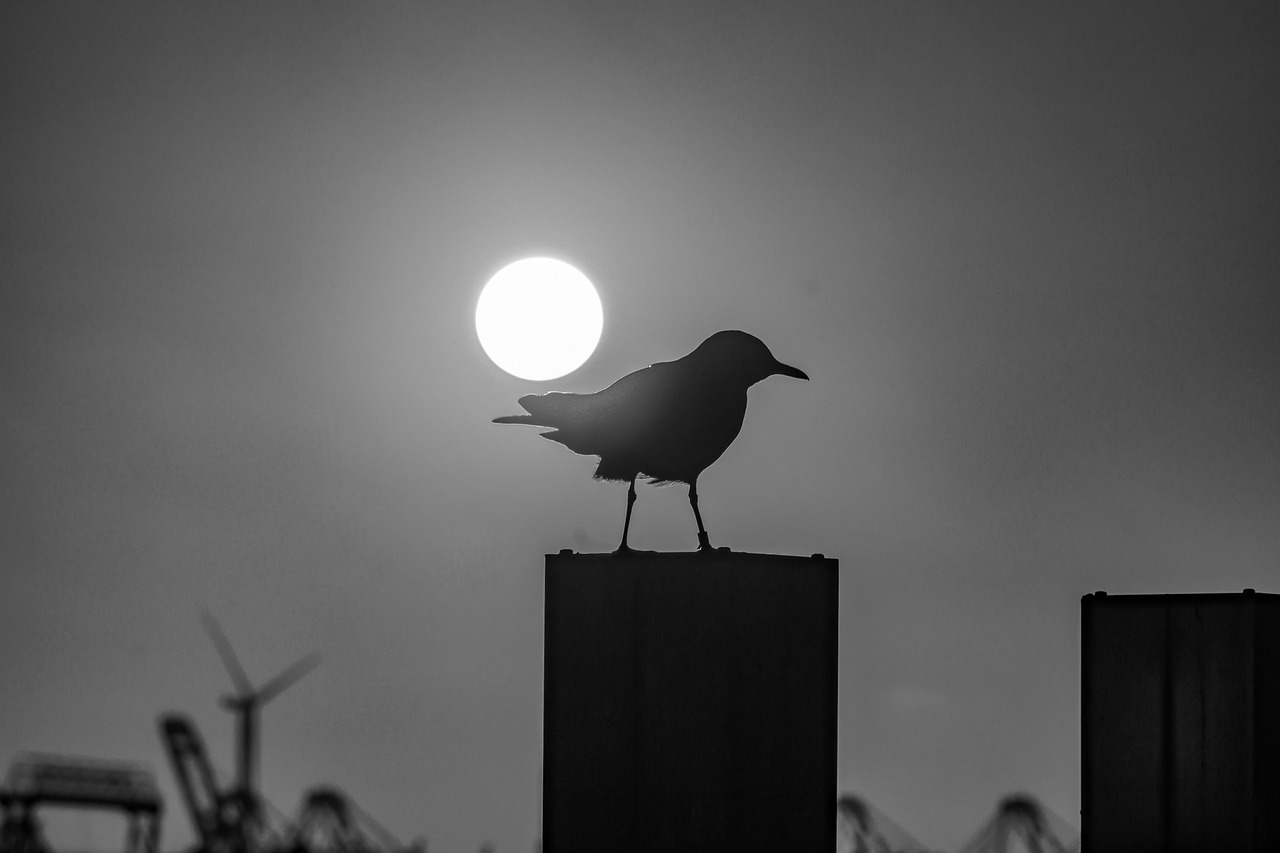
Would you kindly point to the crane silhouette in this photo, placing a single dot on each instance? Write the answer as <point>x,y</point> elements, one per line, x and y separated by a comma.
<point>1021,822</point>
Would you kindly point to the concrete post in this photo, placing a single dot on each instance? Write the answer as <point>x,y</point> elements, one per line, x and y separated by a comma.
<point>690,703</point>
<point>1181,723</point>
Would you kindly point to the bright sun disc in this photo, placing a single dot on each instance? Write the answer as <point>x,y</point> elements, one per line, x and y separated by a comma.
<point>539,318</point>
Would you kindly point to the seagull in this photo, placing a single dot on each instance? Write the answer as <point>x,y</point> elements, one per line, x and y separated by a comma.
<point>668,421</point>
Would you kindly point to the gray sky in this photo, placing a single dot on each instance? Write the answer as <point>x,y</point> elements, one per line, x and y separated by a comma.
<point>1026,251</point>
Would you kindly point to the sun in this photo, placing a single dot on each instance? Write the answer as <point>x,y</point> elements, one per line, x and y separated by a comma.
<point>539,318</point>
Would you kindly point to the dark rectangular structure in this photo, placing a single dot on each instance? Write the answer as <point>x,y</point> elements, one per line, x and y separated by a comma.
<point>1181,723</point>
<point>690,703</point>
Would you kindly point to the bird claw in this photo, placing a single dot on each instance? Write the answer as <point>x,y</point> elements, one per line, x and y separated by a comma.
<point>626,551</point>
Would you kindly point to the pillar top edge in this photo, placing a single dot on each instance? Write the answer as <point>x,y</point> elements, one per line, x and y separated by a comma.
<point>638,558</point>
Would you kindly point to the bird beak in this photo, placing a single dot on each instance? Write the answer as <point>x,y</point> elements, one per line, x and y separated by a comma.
<point>788,370</point>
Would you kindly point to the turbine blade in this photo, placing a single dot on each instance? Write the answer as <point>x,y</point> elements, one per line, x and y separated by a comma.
<point>286,679</point>
<point>228,655</point>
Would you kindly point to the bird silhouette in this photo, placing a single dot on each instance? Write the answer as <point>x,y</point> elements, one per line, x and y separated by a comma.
<point>667,422</point>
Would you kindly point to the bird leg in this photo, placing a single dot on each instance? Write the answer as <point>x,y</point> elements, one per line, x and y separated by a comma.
<point>704,543</point>
<point>626,525</point>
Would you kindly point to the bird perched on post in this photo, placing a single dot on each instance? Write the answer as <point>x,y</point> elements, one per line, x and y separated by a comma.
<point>667,422</point>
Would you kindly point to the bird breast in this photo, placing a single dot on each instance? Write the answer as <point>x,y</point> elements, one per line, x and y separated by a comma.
<point>684,437</point>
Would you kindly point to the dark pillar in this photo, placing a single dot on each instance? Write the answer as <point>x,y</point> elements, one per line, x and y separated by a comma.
<point>1181,723</point>
<point>690,703</point>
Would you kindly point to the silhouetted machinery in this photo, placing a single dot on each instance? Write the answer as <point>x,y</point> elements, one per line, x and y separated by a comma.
<point>236,819</point>
<point>225,821</point>
<point>1022,824</point>
<point>331,822</point>
<point>40,780</point>
<point>862,828</point>
<point>233,820</point>
<point>246,703</point>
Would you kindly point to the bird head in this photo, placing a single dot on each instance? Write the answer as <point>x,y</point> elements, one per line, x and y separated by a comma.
<point>742,356</point>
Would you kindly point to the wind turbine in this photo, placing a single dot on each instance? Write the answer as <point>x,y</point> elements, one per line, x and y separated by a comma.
<point>246,703</point>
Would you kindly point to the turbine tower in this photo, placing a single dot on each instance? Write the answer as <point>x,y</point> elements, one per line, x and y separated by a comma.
<point>246,703</point>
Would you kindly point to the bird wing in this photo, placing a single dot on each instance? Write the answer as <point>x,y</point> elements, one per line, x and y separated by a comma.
<point>553,409</point>
<point>616,411</point>
<point>597,423</point>
<point>668,421</point>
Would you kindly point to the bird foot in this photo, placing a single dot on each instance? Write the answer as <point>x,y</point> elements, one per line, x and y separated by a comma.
<point>704,544</point>
<point>627,551</point>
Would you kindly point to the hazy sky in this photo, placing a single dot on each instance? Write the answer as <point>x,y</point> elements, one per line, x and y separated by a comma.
<point>1027,252</point>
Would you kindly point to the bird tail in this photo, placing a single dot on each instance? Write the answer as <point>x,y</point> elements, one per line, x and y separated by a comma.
<point>515,419</point>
